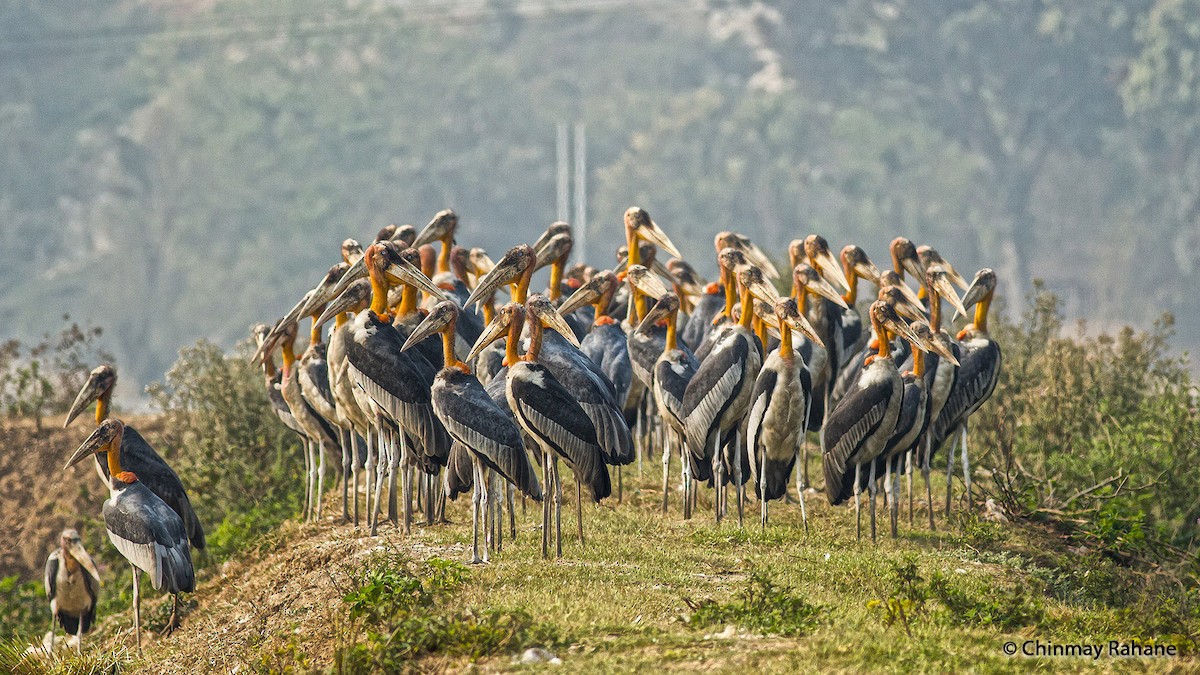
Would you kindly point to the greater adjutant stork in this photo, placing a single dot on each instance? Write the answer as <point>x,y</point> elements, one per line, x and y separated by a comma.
<point>72,586</point>
<point>547,411</point>
<point>140,525</point>
<point>859,427</point>
<point>475,421</point>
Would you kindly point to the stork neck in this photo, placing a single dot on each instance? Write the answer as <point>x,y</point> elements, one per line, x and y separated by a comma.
<point>114,461</point>
<point>631,306</point>
<point>730,292</point>
<point>379,292</point>
<point>340,320</point>
<point>443,262</point>
<point>747,320</point>
<point>268,369</point>
<point>289,357</point>
<point>918,362</point>
<point>521,292</point>
<point>935,309</point>
<point>105,400</point>
<point>635,256</point>
<point>408,300</point>
<point>896,265</point>
<point>640,304</point>
<point>785,342</point>
<point>851,295</point>
<point>449,358</point>
<point>885,343</point>
<point>535,338</point>
<point>489,310</point>
<point>556,275</point>
<point>672,337</point>
<point>802,299</point>
<point>314,335</point>
<point>981,312</point>
<point>761,332</point>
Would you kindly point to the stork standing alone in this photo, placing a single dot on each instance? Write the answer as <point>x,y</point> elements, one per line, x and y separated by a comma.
<point>72,586</point>
<point>140,525</point>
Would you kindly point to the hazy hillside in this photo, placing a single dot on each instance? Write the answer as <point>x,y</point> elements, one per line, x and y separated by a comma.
<point>180,170</point>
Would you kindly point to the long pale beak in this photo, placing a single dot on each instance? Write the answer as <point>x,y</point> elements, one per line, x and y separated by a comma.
<point>550,318</point>
<point>868,271</point>
<point>800,323</point>
<point>942,351</point>
<point>495,330</point>
<point>913,267</point>
<point>430,326</point>
<point>764,291</point>
<point>955,277</point>
<point>661,269</point>
<point>412,275</point>
<point>759,259</point>
<point>909,294</point>
<point>654,234</point>
<point>828,266</point>
<point>429,234</point>
<point>323,294</point>
<point>826,290</point>
<point>585,295</point>
<point>941,283</point>
<point>659,311</point>
<point>973,295</point>
<point>297,310</point>
<point>92,390</point>
<point>75,548</point>
<point>501,274</point>
<point>900,328</point>
<point>909,310</point>
<point>646,282</point>
<point>95,443</point>
<point>344,302</point>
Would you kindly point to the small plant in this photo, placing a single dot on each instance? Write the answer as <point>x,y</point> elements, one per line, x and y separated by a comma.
<point>760,606</point>
<point>1003,608</point>
<point>907,599</point>
<point>404,606</point>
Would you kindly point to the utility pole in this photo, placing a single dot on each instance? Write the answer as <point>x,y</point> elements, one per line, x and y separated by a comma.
<point>562,207</point>
<point>581,239</point>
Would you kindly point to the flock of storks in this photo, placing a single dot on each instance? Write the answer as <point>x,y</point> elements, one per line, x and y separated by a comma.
<point>433,378</point>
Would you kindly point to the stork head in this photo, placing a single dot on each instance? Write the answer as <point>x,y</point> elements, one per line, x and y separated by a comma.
<point>556,228</point>
<point>905,259</point>
<point>854,258</point>
<point>556,248</point>
<point>641,227</point>
<point>441,228</point>
<point>386,232</point>
<point>540,308</point>
<point>519,260</point>
<point>816,249</point>
<point>602,283</point>
<point>937,278</point>
<point>100,383</point>
<point>508,315</point>
<point>441,318</point>
<point>930,257</point>
<point>351,251</point>
<point>788,316</point>
<point>405,236</point>
<point>804,276</point>
<point>72,545</point>
<point>106,438</point>
<point>666,305</point>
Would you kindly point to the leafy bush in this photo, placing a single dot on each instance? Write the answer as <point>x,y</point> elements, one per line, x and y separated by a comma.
<point>405,607</point>
<point>760,606</point>
<point>24,610</point>
<point>1097,434</point>
<point>47,380</point>
<point>240,464</point>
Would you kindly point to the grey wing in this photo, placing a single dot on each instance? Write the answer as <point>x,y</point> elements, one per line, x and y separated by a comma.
<point>153,472</point>
<point>550,412</point>
<point>710,389</point>
<point>848,426</point>
<point>51,577</point>
<point>151,537</point>
<point>973,384</point>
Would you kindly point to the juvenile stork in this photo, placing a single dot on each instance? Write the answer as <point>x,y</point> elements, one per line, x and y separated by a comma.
<point>140,525</point>
<point>548,412</point>
<point>475,422</point>
<point>72,586</point>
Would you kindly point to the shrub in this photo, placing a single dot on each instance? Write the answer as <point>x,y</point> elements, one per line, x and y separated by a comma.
<point>760,606</point>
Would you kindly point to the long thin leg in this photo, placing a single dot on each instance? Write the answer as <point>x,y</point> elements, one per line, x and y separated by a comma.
<point>483,506</point>
<point>966,468</point>
<point>894,485</point>
<point>406,464</point>
<point>908,463</point>
<point>803,512</point>
<point>872,489</point>
<point>925,471</point>
<point>308,479</point>
<point>640,430</point>
<point>355,467</point>
<point>666,467</point>
<point>717,465</point>
<point>79,637</point>
<point>760,464</point>
<point>740,490</point>
<point>579,510</point>
<point>887,483</point>
<point>558,498</point>
<point>494,480</point>
<point>857,501</point>
<point>381,464</point>
<point>137,608</point>
<point>372,452</point>
<point>949,473</point>
<point>346,469</point>
<point>320,476</point>
<point>547,503</point>
<point>52,620</point>
<point>476,498</point>
<point>512,514</point>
